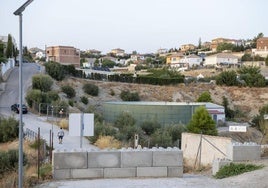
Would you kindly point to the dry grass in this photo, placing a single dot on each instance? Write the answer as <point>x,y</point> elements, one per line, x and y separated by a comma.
<point>64,124</point>
<point>108,142</point>
<point>10,179</point>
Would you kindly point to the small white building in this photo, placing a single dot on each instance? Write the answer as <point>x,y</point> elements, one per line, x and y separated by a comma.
<point>191,60</point>
<point>221,59</point>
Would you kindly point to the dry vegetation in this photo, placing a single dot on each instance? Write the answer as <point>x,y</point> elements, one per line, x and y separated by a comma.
<point>246,100</point>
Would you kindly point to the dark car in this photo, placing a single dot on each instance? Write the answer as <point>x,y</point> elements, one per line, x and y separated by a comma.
<point>16,108</point>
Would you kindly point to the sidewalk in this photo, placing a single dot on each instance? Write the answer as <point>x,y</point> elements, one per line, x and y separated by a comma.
<point>33,121</point>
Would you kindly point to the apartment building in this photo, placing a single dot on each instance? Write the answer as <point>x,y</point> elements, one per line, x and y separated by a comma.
<point>65,55</point>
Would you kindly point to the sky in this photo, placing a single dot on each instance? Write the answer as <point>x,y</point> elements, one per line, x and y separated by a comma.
<point>141,25</point>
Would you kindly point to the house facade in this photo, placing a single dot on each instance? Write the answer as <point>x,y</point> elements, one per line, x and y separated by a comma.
<point>65,55</point>
<point>118,52</point>
<point>94,52</point>
<point>191,60</point>
<point>221,59</point>
<point>186,47</point>
<point>215,42</point>
<point>261,47</point>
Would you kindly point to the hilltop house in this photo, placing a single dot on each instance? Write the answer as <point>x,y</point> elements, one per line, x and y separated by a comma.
<point>262,47</point>
<point>221,59</point>
<point>65,55</point>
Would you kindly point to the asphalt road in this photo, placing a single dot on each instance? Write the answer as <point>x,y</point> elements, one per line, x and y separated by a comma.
<point>11,93</point>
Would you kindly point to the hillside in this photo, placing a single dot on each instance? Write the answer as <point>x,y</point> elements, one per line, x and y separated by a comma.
<point>246,100</point>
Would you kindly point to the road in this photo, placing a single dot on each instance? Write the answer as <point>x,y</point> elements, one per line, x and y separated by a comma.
<point>33,121</point>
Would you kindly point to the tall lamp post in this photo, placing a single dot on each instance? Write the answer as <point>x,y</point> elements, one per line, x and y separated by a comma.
<point>18,12</point>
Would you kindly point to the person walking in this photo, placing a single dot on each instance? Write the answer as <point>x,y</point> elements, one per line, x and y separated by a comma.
<point>60,135</point>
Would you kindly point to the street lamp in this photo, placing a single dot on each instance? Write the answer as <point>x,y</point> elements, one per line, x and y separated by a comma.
<point>18,12</point>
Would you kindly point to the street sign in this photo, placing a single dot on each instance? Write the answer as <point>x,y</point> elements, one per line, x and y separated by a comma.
<point>237,128</point>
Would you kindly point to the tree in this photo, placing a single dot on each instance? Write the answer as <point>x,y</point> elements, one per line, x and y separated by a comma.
<point>228,112</point>
<point>9,49</point>
<point>266,61</point>
<point>55,70</point>
<point>42,82</point>
<point>202,122</point>
<point>204,97</point>
<point>199,43</point>
<point>108,63</point>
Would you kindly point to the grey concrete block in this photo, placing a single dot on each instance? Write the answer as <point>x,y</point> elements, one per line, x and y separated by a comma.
<point>68,160</point>
<point>119,172</point>
<point>218,164</point>
<point>151,171</point>
<point>87,173</point>
<point>104,159</point>
<point>61,174</point>
<point>175,171</point>
<point>167,158</point>
<point>242,152</point>
<point>136,158</point>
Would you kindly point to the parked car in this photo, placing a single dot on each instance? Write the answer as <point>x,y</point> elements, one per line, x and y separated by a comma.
<point>16,108</point>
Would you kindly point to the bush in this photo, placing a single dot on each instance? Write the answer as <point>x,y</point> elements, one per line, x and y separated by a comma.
<point>128,96</point>
<point>161,138</point>
<point>46,171</point>
<point>9,129</point>
<point>91,89</point>
<point>55,70</point>
<point>149,127</point>
<point>42,82</point>
<point>235,169</point>
<point>68,90</point>
<point>101,129</point>
<point>9,161</point>
<point>71,103</point>
<point>84,99</point>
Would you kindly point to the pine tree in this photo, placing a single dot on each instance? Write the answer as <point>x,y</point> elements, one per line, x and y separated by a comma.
<point>202,122</point>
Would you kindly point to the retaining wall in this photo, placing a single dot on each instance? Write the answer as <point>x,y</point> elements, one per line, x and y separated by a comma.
<point>124,163</point>
<point>243,152</point>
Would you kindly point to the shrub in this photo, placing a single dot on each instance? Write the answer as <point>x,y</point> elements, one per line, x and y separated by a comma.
<point>9,160</point>
<point>235,169</point>
<point>42,82</point>
<point>112,92</point>
<point>46,171</point>
<point>84,99</point>
<point>128,96</point>
<point>149,127</point>
<point>101,129</point>
<point>68,90</point>
<point>161,137</point>
<point>71,102</point>
<point>9,129</point>
<point>91,89</point>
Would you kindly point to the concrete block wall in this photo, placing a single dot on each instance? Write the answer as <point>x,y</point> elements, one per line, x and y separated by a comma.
<point>244,152</point>
<point>123,163</point>
<point>218,163</point>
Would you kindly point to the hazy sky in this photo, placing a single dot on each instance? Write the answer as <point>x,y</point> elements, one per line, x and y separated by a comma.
<point>141,25</point>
